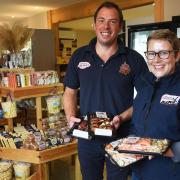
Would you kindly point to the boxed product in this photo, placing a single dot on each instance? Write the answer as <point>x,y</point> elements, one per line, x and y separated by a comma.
<point>81,129</point>
<point>126,151</point>
<point>121,159</point>
<point>100,124</point>
<point>142,145</point>
<point>95,124</point>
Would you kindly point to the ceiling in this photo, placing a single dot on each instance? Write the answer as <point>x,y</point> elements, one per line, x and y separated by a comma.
<point>129,14</point>
<point>17,10</point>
<point>20,9</point>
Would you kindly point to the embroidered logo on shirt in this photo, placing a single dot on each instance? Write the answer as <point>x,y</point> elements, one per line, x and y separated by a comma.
<point>169,99</point>
<point>125,69</point>
<point>84,65</point>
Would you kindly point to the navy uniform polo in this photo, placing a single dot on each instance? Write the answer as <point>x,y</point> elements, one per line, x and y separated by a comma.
<point>104,86</point>
<point>156,114</point>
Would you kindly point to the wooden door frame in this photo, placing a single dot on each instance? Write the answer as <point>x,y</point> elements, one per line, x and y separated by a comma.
<point>87,9</point>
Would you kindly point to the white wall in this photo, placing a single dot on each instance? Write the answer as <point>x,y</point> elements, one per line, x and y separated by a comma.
<point>171,8</point>
<point>37,22</point>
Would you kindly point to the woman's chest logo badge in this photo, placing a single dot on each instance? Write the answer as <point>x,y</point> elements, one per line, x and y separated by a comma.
<point>83,65</point>
<point>125,69</point>
<point>168,99</point>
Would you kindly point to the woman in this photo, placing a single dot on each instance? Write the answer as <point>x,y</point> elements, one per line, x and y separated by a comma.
<point>156,110</point>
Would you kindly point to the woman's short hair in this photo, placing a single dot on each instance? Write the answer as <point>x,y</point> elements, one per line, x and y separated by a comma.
<point>165,34</point>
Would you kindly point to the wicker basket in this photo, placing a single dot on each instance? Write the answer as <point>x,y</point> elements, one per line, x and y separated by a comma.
<point>6,170</point>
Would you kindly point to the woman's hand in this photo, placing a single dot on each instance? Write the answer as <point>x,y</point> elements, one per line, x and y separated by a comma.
<point>168,153</point>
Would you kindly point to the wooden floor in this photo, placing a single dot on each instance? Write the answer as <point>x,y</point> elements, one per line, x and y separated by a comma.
<point>64,169</point>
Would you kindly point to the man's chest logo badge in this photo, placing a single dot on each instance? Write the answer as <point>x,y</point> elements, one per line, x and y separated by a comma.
<point>125,69</point>
<point>83,65</point>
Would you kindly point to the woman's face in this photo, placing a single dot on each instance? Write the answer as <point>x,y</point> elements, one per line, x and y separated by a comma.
<point>162,66</point>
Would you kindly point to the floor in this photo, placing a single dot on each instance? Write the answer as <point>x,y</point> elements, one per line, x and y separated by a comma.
<point>63,169</point>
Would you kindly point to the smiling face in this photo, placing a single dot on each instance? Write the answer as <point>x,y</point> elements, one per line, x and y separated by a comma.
<point>162,67</point>
<point>107,26</point>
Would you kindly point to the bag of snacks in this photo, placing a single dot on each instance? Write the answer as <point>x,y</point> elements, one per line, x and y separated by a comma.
<point>53,104</point>
<point>9,107</point>
<point>22,170</point>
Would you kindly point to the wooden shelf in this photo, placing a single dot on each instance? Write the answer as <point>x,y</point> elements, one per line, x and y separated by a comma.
<point>32,91</point>
<point>39,157</point>
<point>3,122</point>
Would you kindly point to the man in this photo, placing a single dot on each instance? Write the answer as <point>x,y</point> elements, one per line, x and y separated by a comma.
<point>106,73</point>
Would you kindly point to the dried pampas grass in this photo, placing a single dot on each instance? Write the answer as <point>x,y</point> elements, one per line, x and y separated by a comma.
<point>13,37</point>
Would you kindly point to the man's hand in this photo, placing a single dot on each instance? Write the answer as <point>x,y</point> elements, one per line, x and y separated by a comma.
<point>116,122</point>
<point>72,120</point>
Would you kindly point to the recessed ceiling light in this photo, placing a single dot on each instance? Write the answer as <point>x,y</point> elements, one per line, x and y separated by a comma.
<point>12,16</point>
<point>36,7</point>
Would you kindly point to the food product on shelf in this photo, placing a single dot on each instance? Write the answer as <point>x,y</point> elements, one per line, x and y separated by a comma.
<point>6,171</point>
<point>25,79</point>
<point>21,170</point>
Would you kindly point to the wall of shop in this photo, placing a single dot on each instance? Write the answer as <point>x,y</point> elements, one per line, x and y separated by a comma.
<point>38,21</point>
<point>171,8</point>
<point>84,37</point>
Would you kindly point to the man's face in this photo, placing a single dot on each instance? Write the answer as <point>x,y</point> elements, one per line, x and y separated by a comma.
<point>107,26</point>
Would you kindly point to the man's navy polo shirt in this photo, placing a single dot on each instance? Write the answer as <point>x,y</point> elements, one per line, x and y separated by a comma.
<point>104,86</point>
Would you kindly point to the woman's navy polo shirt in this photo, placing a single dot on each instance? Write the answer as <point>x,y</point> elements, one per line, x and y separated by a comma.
<point>156,114</point>
<point>104,86</point>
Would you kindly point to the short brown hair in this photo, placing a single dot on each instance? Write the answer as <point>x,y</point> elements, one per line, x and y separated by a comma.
<point>165,34</point>
<point>109,4</point>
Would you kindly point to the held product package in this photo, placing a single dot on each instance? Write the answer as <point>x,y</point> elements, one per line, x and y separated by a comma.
<point>101,125</point>
<point>142,145</point>
<point>122,159</point>
<point>126,151</point>
<point>81,129</point>
<point>96,124</point>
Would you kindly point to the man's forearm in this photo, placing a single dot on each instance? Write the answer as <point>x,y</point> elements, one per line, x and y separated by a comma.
<point>126,115</point>
<point>70,103</point>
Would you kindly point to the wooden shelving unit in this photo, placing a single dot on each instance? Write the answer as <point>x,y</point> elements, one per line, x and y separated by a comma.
<point>36,92</point>
<point>32,91</point>
<point>37,157</point>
